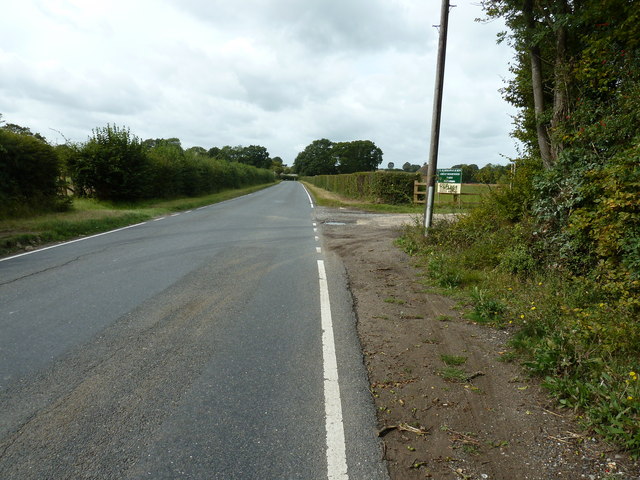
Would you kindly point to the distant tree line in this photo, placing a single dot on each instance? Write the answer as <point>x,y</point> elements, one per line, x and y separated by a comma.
<point>113,164</point>
<point>488,174</point>
<point>324,157</point>
<point>406,167</point>
<point>471,173</point>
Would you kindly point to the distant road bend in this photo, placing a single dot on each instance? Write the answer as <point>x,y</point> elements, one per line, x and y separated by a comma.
<point>215,344</point>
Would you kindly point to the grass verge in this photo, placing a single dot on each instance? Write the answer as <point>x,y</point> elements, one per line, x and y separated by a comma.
<point>88,217</point>
<point>583,342</point>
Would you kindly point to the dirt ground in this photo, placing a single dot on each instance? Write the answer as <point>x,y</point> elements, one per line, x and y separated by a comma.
<point>448,405</point>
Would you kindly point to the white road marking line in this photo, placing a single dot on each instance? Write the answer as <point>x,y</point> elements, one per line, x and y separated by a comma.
<point>158,219</point>
<point>318,249</point>
<point>336,448</point>
<point>71,241</point>
<point>317,238</point>
<point>188,211</point>
<point>175,214</point>
<point>309,196</point>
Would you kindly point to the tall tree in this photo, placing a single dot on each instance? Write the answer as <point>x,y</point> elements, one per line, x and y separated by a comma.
<point>357,156</point>
<point>316,159</point>
<point>255,155</point>
<point>469,172</point>
<point>577,86</point>
<point>541,31</point>
<point>197,151</point>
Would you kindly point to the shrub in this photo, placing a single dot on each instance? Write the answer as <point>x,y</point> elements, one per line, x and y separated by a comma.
<point>113,165</point>
<point>29,175</point>
<point>381,186</point>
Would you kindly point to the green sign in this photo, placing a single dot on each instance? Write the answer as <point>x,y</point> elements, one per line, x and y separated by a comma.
<point>449,175</point>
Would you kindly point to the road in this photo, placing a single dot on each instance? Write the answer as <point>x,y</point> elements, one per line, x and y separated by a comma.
<point>191,346</point>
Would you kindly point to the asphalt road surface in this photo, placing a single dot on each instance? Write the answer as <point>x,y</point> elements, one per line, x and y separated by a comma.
<point>191,346</point>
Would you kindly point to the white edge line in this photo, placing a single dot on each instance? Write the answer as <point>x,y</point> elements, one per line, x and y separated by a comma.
<point>336,448</point>
<point>309,196</point>
<point>72,241</point>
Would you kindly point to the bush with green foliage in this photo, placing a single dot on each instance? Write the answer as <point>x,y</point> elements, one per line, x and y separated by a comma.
<point>112,165</point>
<point>389,187</point>
<point>558,250</point>
<point>115,165</point>
<point>29,175</point>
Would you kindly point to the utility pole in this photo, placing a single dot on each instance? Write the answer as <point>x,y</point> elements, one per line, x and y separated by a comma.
<point>437,115</point>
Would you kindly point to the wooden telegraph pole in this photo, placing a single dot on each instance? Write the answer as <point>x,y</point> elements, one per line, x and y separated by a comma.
<point>437,115</point>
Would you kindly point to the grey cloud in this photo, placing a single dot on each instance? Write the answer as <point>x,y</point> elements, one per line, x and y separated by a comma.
<point>92,91</point>
<point>324,27</point>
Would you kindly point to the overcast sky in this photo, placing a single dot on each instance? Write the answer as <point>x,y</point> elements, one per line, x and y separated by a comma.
<point>277,73</point>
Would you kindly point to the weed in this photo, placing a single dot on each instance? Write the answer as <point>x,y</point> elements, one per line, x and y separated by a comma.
<point>453,374</point>
<point>394,300</point>
<point>443,318</point>
<point>499,444</point>
<point>517,260</point>
<point>508,357</point>
<point>409,245</point>
<point>453,360</point>
<point>470,449</point>
<point>486,309</point>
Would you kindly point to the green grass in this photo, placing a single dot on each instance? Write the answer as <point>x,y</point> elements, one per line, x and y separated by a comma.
<point>453,360</point>
<point>88,217</point>
<point>394,300</point>
<point>453,374</point>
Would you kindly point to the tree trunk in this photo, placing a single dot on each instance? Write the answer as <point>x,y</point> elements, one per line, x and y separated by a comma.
<point>560,90</point>
<point>538,101</point>
<point>537,86</point>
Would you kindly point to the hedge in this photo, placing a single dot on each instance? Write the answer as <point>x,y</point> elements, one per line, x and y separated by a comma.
<point>378,187</point>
